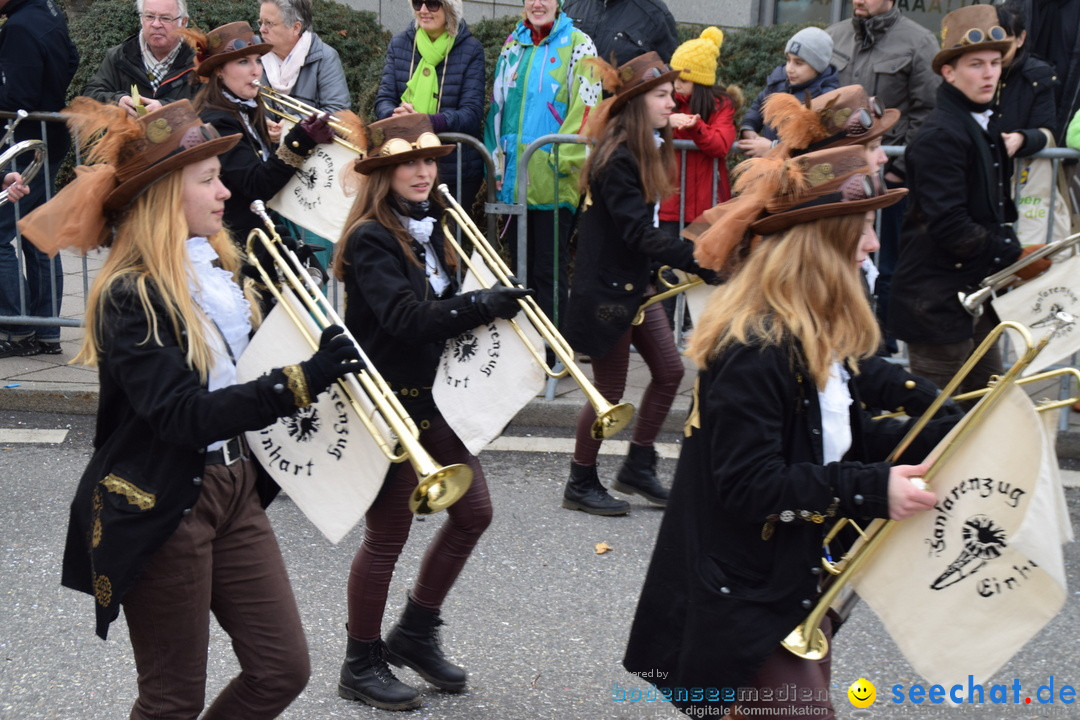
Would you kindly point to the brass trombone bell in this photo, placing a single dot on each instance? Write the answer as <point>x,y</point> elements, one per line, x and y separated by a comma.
<point>609,418</point>
<point>438,487</point>
<point>807,640</point>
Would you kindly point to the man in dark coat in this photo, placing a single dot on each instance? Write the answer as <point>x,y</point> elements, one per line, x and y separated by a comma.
<point>37,62</point>
<point>956,231</point>
<point>153,60</point>
<point>625,28</point>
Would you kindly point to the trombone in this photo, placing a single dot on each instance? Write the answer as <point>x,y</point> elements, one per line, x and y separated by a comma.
<point>35,146</point>
<point>343,132</point>
<point>438,487</point>
<point>609,418</point>
<point>807,640</point>
<point>989,285</point>
<point>670,290</point>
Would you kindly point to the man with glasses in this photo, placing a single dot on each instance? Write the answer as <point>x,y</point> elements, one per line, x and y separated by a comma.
<point>153,60</point>
<point>957,229</point>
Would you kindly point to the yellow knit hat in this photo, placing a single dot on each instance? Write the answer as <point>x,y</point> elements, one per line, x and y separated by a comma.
<point>696,59</point>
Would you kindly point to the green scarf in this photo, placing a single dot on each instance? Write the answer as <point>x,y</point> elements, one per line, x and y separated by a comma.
<point>422,89</point>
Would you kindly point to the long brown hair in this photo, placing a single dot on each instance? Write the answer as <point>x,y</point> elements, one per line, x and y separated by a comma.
<point>149,252</point>
<point>631,127</point>
<point>373,204</point>
<point>801,283</point>
<point>212,95</point>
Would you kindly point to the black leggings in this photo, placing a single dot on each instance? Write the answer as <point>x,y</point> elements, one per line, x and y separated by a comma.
<point>388,522</point>
<point>656,345</point>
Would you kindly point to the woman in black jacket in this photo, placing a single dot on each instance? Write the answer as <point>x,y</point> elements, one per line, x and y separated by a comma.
<point>168,521</point>
<point>256,168</point>
<point>778,445</point>
<point>401,305</point>
<point>628,173</point>
<point>436,67</point>
<point>1025,98</point>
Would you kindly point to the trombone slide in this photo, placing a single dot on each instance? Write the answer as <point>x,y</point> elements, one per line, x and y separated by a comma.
<point>438,487</point>
<point>609,418</point>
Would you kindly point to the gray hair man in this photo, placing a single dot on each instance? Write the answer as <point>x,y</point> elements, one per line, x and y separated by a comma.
<point>153,63</point>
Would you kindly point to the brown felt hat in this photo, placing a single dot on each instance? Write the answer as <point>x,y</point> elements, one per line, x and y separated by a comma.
<point>970,29</point>
<point>845,116</point>
<point>831,183</point>
<point>222,44</point>
<point>638,76</point>
<point>174,137</point>
<point>398,139</point>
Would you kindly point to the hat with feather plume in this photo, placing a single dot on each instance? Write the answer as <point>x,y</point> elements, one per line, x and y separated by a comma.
<point>631,79</point>
<point>222,44</point>
<point>776,193</point>
<point>845,116</point>
<point>127,155</point>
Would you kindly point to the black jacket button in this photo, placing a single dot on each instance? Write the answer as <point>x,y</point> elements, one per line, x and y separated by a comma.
<point>857,499</point>
<point>196,481</point>
<point>186,511</point>
<point>279,388</point>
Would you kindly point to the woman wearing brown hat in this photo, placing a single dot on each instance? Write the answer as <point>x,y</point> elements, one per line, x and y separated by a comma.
<point>777,445</point>
<point>628,173</point>
<point>168,521</point>
<point>227,61</point>
<point>402,306</point>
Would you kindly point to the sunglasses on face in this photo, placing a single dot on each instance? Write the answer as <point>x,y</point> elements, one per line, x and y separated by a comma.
<point>432,5</point>
<point>396,146</point>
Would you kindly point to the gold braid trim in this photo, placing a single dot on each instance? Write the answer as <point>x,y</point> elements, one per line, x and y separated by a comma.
<point>290,157</point>
<point>297,385</point>
<point>139,498</point>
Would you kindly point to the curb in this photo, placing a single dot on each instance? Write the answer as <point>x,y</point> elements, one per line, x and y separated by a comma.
<point>557,413</point>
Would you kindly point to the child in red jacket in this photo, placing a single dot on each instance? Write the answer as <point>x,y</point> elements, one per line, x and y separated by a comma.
<point>704,114</point>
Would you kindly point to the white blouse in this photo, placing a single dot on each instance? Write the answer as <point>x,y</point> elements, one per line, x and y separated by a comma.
<point>835,403</point>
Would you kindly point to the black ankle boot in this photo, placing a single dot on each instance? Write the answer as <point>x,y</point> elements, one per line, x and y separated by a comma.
<point>584,492</point>
<point>414,642</point>
<point>638,475</point>
<point>366,677</point>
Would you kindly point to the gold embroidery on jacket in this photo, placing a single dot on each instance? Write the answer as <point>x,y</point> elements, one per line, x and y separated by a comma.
<point>139,498</point>
<point>102,590</point>
<point>96,503</point>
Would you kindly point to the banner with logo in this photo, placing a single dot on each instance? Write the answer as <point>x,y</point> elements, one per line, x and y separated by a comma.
<point>962,587</point>
<point>321,455</point>
<point>486,375</point>
<point>1035,303</point>
<point>315,199</point>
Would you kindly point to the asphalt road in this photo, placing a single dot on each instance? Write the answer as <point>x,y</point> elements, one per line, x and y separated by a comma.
<point>538,617</point>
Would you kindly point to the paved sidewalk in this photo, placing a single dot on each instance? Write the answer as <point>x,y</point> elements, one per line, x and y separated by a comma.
<point>47,383</point>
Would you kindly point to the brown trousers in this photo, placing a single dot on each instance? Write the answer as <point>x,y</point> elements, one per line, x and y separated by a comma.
<point>222,559</point>
<point>787,684</point>
<point>938,363</point>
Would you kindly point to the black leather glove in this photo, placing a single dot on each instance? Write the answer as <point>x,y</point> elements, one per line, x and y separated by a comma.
<point>500,301</point>
<point>710,277</point>
<point>337,355</point>
<point>317,127</point>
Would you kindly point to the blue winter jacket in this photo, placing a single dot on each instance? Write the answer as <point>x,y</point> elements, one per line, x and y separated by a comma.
<point>777,82</point>
<point>461,109</point>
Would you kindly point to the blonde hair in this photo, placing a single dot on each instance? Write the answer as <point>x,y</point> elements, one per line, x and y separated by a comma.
<point>148,254</point>
<point>802,284</point>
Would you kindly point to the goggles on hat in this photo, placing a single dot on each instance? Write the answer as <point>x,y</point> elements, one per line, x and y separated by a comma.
<point>397,146</point>
<point>240,44</point>
<point>975,36</point>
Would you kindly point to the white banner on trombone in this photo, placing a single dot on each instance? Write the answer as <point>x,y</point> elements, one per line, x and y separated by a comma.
<point>315,198</point>
<point>322,455</point>
<point>486,375</point>
<point>989,552</point>
<point>1034,304</point>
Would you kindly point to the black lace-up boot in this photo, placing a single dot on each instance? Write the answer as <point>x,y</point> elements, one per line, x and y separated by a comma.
<point>584,492</point>
<point>414,642</point>
<point>638,475</point>
<point>366,677</point>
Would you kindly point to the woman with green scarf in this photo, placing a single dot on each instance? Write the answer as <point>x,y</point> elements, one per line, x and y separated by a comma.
<point>436,67</point>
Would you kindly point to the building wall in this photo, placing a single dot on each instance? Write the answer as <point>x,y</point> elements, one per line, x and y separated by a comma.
<point>395,15</point>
